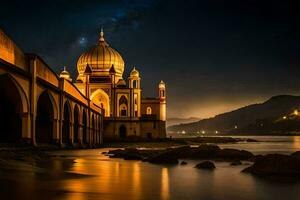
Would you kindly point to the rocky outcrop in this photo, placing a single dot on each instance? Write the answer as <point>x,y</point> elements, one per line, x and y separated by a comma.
<point>183,163</point>
<point>127,154</point>
<point>234,154</point>
<point>171,155</point>
<point>167,157</point>
<point>275,165</point>
<point>206,165</point>
<point>204,152</point>
<point>296,154</point>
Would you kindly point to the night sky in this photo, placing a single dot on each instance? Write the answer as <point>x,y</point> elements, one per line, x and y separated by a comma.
<point>213,55</point>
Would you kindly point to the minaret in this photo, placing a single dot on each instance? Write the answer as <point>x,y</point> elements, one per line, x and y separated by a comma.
<point>135,89</point>
<point>162,101</point>
<point>134,79</point>
<point>65,74</point>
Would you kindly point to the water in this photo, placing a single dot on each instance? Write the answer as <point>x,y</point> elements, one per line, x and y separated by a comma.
<point>116,179</point>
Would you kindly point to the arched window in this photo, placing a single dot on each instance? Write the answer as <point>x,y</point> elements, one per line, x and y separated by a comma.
<point>123,103</point>
<point>149,111</point>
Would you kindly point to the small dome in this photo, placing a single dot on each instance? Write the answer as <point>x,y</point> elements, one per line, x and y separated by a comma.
<point>101,58</point>
<point>134,73</point>
<point>65,74</point>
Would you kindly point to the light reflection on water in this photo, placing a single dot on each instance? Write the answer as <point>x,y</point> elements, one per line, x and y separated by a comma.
<point>116,179</point>
<point>268,144</point>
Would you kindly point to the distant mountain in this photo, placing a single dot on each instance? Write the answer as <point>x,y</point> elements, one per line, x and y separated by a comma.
<point>174,121</point>
<point>264,116</point>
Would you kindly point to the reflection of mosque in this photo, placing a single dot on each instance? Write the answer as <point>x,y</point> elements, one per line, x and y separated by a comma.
<point>100,77</point>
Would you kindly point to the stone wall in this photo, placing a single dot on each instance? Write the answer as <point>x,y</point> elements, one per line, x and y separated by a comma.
<point>10,52</point>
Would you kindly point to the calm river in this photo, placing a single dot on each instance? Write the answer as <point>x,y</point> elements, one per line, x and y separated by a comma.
<point>116,179</point>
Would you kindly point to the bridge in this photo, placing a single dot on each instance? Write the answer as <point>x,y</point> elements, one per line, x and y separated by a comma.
<point>39,107</point>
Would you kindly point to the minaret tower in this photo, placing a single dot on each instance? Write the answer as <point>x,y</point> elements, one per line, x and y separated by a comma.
<point>135,88</point>
<point>162,101</point>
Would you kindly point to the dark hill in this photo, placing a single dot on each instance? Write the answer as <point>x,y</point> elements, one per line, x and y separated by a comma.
<point>247,117</point>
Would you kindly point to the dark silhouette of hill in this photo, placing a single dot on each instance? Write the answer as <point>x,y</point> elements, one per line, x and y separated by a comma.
<point>174,121</point>
<point>255,116</point>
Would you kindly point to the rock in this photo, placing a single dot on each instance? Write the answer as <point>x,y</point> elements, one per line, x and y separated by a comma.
<point>234,154</point>
<point>181,152</point>
<point>204,152</point>
<point>206,165</point>
<point>166,157</point>
<point>275,165</point>
<point>127,154</point>
<point>296,154</point>
<point>251,140</point>
<point>255,157</point>
<point>235,163</point>
<point>183,163</point>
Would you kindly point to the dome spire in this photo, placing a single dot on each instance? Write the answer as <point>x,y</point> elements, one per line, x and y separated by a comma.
<point>101,38</point>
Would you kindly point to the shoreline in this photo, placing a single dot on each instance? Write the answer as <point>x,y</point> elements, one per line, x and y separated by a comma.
<point>20,159</point>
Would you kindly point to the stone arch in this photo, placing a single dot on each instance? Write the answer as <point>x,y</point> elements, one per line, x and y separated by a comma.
<point>7,78</point>
<point>13,103</point>
<point>122,131</point>
<point>100,98</point>
<point>45,112</point>
<point>84,127</point>
<point>123,106</point>
<point>66,128</point>
<point>76,124</point>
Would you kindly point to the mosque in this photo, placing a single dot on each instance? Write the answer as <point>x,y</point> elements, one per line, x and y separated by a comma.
<point>100,77</point>
<point>39,106</point>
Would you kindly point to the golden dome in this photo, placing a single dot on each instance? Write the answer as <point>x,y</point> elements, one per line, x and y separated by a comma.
<point>134,73</point>
<point>100,58</point>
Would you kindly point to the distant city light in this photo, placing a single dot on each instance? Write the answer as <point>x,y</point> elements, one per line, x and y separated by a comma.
<point>235,126</point>
<point>216,132</point>
<point>284,117</point>
<point>203,132</point>
<point>183,132</point>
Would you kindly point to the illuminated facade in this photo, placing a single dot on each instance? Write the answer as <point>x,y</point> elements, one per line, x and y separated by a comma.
<point>100,77</point>
<point>40,107</point>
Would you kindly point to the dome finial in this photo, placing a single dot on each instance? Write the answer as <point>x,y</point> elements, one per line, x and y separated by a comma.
<point>101,38</point>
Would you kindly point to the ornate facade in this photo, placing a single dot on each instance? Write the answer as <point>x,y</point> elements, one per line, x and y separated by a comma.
<point>38,106</point>
<point>126,113</point>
